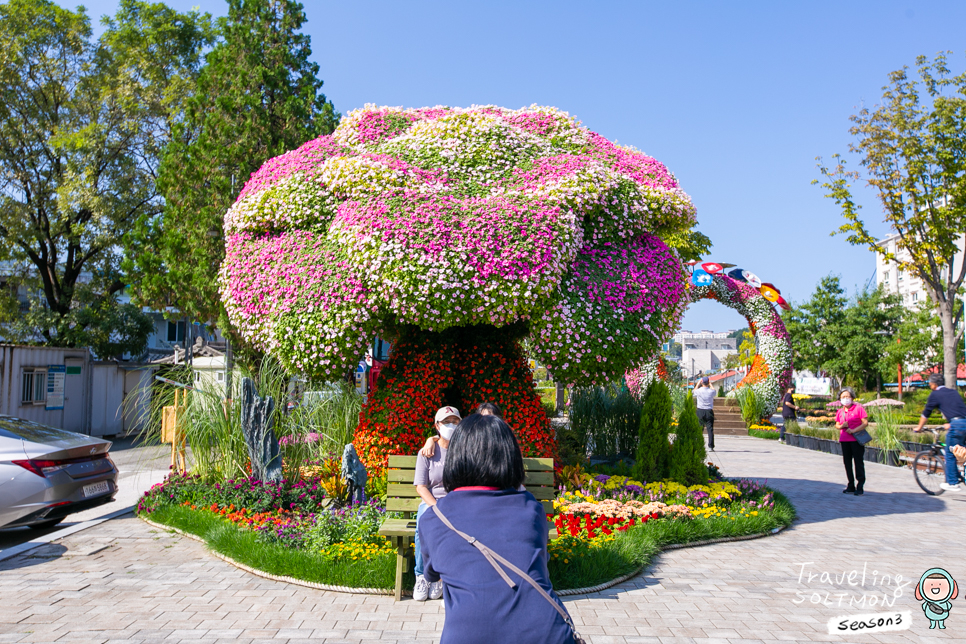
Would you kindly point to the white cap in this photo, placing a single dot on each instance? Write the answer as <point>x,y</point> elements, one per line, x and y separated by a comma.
<point>446,412</point>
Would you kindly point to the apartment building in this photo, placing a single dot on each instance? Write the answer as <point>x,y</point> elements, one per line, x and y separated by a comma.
<point>906,284</point>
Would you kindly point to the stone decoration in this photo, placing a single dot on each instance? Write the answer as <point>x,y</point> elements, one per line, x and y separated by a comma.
<point>257,416</point>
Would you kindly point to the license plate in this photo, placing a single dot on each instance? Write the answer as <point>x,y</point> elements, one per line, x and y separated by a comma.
<point>96,488</point>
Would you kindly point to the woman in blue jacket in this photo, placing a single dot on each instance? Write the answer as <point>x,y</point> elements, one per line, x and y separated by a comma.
<point>483,470</point>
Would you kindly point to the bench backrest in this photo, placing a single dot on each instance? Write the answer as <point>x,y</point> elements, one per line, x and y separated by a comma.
<point>404,498</point>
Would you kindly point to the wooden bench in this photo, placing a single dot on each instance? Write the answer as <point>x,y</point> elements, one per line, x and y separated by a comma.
<point>404,498</point>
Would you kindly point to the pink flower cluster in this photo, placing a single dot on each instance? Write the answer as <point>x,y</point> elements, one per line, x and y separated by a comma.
<point>618,302</point>
<point>442,217</point>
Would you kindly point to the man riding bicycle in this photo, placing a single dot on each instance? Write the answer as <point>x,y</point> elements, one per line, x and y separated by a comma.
<point>951,405</point>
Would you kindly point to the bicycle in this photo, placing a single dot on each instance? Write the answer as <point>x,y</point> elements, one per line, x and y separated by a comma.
<point>929,467</point>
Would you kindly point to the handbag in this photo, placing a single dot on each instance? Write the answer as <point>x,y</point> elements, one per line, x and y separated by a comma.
<point>862,436</point>
<point>493,558</point>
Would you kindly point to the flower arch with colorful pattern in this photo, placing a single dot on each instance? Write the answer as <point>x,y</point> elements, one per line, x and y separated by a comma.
<point>771,370</point>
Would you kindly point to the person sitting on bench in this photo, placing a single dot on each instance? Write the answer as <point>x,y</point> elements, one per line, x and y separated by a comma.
<point>506,594</point>
<point>429,485</point>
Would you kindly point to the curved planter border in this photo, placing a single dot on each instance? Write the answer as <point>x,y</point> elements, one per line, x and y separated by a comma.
<point>262,573</point>
<point>389,591</point>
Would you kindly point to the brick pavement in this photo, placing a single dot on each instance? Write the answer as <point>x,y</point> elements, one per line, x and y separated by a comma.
<point>124,581</point>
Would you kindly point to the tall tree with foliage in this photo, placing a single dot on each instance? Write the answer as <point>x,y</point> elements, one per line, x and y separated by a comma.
<point>918,341</point>
<point>82,125</point>
<point>653,449</point>
<point>860,352</point>
<point>913,152</point>
<point>814,324</point>
<point>688,453</point>
<point>258,96</point>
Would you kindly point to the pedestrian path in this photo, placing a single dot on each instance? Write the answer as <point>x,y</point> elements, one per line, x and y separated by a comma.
<point>123,581</point>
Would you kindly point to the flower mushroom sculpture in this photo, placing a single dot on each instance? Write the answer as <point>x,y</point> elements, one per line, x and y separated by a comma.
<point>457,233</point>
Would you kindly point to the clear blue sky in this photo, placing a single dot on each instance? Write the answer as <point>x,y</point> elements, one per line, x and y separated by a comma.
<point>736,98</point>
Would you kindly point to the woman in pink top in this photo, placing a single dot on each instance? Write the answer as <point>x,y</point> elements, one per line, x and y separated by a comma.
<point>850,419</point>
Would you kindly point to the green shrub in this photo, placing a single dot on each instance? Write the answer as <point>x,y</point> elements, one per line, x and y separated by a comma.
<point>653,449</point>
<point>751,411</point>
<point>763,433</point>
<point>688,453</point>
<point>679,395</point>
<point>605,419</point>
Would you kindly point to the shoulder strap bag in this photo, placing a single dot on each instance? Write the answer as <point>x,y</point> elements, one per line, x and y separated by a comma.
<point>493,558</point>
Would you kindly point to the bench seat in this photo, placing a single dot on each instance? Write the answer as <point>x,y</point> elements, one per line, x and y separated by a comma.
<point>402,497</point>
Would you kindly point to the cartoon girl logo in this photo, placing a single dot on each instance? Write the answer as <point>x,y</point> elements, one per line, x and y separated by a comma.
<point>936,590</point>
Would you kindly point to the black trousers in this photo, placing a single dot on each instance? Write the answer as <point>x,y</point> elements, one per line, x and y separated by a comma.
<point>852,452</point>
<point>706,416</point>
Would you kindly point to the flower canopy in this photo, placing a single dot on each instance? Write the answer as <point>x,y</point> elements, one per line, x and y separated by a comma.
<point>448,217</point>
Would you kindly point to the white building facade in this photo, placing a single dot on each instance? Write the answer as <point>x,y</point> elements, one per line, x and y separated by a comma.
<point>707,355</point>
<point>681,337</point>
<point>906,284</point>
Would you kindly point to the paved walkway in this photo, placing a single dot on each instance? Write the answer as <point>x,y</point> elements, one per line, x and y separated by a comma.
<point>123,581</point>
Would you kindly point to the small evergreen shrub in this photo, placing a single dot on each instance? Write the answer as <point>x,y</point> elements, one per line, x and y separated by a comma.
<point>688,455</point>
<point>653,449</point>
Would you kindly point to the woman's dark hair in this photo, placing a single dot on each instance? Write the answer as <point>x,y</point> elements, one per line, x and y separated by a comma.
<point>490,407</point>
<point>483,451</point>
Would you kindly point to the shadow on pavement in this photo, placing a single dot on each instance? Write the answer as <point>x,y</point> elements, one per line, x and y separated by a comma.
<point>35,557</point>
<point>15,536</point>
<point>818,501</point>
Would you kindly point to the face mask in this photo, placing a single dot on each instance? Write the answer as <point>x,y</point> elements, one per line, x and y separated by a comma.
<point>446,431</point>
<point>846,402</point>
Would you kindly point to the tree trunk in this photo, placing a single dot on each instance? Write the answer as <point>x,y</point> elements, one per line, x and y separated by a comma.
<point>950,359</point>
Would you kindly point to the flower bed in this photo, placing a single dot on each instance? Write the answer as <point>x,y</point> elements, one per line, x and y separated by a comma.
<point>769,432</point>
<point>608,526</point>
<point>611,525</point>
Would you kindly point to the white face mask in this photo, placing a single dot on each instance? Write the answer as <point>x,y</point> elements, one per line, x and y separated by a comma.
<point>846,402</point>
<point>446,431</point>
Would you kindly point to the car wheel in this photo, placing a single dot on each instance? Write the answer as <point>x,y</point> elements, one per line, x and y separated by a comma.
<point>43,525</point>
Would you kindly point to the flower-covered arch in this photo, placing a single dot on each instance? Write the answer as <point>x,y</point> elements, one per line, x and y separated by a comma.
<point>771,369</point>
<point>434,226</point>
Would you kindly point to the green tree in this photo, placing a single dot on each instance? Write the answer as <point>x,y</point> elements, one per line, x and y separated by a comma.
<point>258,96</point>
<point>913,151</point>
<point>814,325</point>
<point>653,449</point>
<point>747,349</point>
<point>673,369</point>
<point>688,453</point>
<point>860,352</point>
<point>82,124</point>
<point>918,341</point>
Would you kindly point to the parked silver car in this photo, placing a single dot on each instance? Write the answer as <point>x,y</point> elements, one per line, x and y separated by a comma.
<point>47,473</point>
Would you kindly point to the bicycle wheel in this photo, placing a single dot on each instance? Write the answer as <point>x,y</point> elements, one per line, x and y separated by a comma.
<point>929,470</point>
